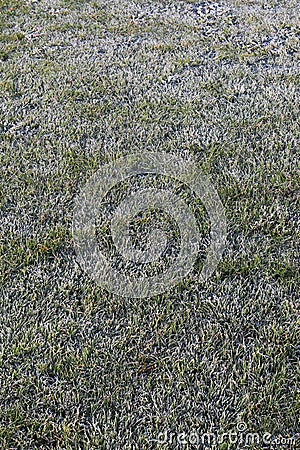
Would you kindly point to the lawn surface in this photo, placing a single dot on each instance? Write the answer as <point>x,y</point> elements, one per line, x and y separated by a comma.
<point>82,83</point>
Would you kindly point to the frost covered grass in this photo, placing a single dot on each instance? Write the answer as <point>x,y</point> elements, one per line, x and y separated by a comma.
<point>82,83</point>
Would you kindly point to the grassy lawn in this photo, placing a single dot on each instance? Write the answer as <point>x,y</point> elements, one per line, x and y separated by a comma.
<point>82,83</point>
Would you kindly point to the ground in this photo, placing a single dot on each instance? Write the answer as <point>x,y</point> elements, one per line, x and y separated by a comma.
<point>82,83</point>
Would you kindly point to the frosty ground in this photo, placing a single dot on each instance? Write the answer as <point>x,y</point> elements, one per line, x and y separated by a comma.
<point>81,84</point>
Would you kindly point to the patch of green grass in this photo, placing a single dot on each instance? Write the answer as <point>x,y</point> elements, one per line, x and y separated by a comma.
<point>16,254</point>
<point>83,83</point>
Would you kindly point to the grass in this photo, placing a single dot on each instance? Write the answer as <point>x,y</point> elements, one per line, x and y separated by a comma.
<point>82,83</point>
